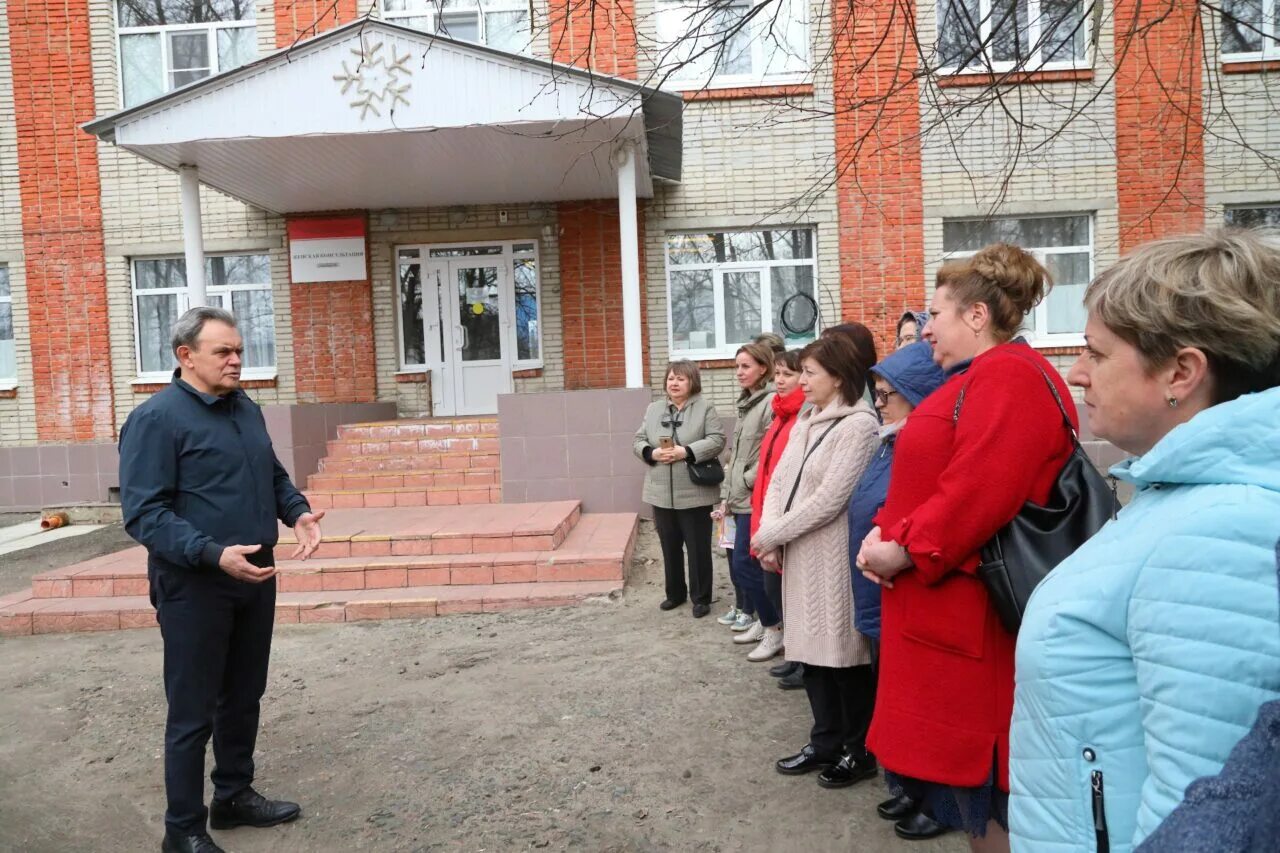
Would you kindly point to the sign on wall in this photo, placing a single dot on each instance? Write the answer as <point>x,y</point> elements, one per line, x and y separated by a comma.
<point>327,249</point>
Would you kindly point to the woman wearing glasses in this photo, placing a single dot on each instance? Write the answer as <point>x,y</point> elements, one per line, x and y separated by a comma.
<point>681,429</point>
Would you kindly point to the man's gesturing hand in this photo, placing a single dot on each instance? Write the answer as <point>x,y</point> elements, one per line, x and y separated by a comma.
<point>233,562</point>
<point>307,531</point>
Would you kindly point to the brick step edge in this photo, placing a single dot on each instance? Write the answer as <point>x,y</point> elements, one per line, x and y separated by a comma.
<point>440,479</point>
<point>410,429</point>
<point>409,463</point>
<point>69,615</point>
<point>392,447</point>
<point>376,498</point>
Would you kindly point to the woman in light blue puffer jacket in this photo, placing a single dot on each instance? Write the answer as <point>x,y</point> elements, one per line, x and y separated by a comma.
<point>1146,655</point>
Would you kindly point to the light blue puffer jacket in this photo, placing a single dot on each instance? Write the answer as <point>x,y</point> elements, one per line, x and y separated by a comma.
<point>1145,656</point>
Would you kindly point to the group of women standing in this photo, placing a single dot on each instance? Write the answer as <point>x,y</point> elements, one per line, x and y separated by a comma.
<point>1140,661</point>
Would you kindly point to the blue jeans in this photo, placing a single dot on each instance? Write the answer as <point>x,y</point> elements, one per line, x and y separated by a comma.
<point>747,574</point>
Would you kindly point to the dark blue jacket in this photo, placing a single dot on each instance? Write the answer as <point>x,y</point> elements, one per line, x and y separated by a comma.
<point>197,473</point>
<point>912,374</point>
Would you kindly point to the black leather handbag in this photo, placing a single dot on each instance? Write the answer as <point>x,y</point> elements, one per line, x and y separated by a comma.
<point>1039,537</point>
<point>708,473</point>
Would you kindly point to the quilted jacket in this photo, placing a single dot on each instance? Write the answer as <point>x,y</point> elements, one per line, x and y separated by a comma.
<point>1145,656</point>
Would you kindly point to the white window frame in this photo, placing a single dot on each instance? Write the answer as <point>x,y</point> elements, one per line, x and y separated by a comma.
<point>184,304</point>
<point>508,257</point>
<point>8,383</point>
<point>434,10</point>
<point>735,81</point>
<point>211,29</point>
<point>1270,40</point>
<point>1040,314</point>
<point>724,349</point>
<point>1033,62</point>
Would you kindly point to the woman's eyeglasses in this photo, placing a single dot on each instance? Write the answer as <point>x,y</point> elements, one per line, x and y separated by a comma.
<point>882,397</point>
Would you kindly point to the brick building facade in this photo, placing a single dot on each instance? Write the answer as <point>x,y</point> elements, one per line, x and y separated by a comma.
<point>839,157</point>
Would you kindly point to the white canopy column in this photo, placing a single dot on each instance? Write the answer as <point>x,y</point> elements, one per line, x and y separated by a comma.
<point>630,255</point>
<point>192,235</point>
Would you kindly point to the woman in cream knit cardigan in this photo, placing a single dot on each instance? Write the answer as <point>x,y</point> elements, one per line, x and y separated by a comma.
<point>830,447</point>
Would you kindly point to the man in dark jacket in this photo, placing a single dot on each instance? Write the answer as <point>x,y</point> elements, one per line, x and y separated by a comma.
<point>201,488</point>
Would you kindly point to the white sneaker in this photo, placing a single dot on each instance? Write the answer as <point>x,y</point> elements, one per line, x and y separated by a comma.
<point>743,622</point>
<point>769,646</point>
<point>752,635</point>
<point>730,617</point>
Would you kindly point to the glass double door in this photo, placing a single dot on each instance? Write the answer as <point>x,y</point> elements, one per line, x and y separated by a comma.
<point>465,314</point>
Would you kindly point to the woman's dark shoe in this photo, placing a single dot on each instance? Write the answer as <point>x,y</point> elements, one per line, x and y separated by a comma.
<point>700,610</point>
<point>898,808</point>
<point>249,808</point>
<point>849,771</point>
<point>805,761</point>
<point>783,669</point>
<point>794,681</point>
<point>668,604</point>
<point>919,827</point>
<point>198,843</point>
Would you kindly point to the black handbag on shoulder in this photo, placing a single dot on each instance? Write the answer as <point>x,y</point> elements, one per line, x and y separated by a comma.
<point>1039,537</point>
<point>706,473</point>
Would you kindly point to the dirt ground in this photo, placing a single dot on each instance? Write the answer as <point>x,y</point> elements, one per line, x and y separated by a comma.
<point>606,727</point>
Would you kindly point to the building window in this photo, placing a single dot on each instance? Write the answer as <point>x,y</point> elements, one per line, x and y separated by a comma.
<point>8,351</point>
<point>725,288</point>
<point>1004,35</point>
<point>239,283</point>
<point>165,44</point>
<point>1265,216</point>
<point>503,24</point>
<point>1064,244</point>
<point>729,43</point>
<point>1250,30</point>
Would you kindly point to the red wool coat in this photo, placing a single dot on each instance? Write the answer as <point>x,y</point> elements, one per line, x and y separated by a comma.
<point>946,665</point>
<point>785,411</point>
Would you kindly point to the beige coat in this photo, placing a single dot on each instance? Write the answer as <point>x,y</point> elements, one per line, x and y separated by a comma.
<point>699,430</point>
<point>816,588</point>
<point>755,413</point>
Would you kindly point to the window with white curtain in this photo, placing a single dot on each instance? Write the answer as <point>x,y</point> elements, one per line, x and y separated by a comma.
<point>503,24</point>
<point>1003,35</point>
<point>165,44</point>
<point>1250,30</point>
<point>1064,244</point>
<point>8,352</point>
<point>725,288</point>
<point>239,283</point>
<point>729,43</point>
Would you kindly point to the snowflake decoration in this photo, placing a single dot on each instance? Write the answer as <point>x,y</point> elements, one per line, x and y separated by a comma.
<point>379,80</point>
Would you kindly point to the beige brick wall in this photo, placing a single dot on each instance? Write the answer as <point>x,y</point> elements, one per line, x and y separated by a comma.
<point>747,164</point>
<point>389,229</point>
<point>17,414</point>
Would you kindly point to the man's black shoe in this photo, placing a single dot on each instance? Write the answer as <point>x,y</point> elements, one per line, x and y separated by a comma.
<point>897,808</point>
<point>919,827</point>
<point>805,761</point>
<point>794,681</point>
<point>700,610</point>
<point>198,843</point>
<point>668,604</point>
<point>849,771</point>
<point>249,808</point>
<point>783,669</point>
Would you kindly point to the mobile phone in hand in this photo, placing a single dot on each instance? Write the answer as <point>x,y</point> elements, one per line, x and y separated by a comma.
<point>665,442</point>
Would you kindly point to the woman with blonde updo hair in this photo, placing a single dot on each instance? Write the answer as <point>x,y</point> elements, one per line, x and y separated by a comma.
<point>990,439</point>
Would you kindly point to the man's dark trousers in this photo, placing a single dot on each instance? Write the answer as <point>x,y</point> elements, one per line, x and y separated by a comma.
<point>217,642</point>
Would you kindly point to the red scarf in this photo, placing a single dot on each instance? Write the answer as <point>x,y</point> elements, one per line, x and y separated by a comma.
<point>785,410</point>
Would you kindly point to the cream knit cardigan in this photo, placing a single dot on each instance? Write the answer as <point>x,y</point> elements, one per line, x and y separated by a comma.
<point>816,588</point>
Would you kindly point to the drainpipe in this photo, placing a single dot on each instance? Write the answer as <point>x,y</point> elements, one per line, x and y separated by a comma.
<point>192,238</point>
<point>625,160</point>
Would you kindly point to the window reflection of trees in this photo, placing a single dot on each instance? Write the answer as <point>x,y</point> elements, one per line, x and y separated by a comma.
<point>414,342</point>
<point>528,343</point>
<point>156,13</point>
<point>483,339</point>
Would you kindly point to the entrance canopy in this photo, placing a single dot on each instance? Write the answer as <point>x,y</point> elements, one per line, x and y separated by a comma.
<point>372,115</point>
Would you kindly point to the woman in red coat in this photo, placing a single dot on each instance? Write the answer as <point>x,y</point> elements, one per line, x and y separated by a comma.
<point>941,725</point>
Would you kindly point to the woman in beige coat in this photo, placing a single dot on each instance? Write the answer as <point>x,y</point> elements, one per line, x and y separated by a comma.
<point>806,531</point>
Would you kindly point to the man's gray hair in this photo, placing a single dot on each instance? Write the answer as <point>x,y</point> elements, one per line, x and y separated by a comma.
<point>187,330</point>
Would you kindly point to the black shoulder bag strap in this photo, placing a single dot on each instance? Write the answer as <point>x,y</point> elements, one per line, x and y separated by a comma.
<point>800,473</point>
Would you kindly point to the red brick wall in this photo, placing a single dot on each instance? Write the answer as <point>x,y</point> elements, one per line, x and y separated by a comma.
<point>600,36</point>
<point>1159,119</point>
<point>879,192</point>
<point>61,220</point>
<point>301,19</point>
<point>591,295</point>
<point>333,340</point>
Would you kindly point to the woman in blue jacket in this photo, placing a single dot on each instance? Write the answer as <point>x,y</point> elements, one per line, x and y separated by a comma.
<point>901,381</point>
<point>1145,656</point>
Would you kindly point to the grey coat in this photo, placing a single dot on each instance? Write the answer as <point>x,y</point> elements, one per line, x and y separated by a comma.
<point>698,431</point>
<point>755,413</point>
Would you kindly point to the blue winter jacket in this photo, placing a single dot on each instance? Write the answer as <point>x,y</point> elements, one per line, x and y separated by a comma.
<point>912,374</point>
<point>1144,657</point>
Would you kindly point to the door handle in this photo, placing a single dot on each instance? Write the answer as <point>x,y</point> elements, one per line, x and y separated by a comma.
<point>462,337</point>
